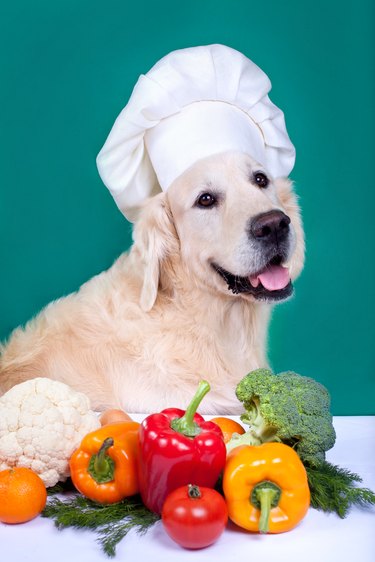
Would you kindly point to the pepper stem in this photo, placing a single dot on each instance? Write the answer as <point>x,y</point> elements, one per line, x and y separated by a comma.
<point>101,466</point>
<point>265,496</point>
<point>186,425</point>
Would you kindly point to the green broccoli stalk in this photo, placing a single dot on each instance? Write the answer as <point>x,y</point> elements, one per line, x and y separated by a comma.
<point>295,410</point>
<point>289,408</point>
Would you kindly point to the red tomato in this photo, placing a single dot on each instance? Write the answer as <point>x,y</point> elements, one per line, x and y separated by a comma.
<point>194,517</point>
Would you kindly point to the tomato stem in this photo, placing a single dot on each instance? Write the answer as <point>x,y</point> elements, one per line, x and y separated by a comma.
<point>194,492</point>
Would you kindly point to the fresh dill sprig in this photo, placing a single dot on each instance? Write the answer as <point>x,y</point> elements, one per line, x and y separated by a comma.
<point>112,533</point>
<point>333,489</point>
<point>112,522</point>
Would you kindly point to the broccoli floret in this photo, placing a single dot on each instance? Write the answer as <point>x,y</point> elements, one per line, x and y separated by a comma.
<point>289,408</point>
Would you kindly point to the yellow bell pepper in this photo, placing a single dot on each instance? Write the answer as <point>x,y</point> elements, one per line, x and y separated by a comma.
<point>266,487</point>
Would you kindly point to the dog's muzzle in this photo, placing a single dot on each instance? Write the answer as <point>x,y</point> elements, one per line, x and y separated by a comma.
<point>270,233</point>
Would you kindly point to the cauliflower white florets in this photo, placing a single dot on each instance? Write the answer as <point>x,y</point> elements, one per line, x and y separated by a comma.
<point>42,422</point>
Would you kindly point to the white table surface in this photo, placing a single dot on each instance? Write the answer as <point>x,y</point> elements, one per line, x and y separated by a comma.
<point>318,538</point>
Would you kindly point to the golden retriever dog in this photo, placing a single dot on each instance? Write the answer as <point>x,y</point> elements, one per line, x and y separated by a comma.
<point>191,300</point>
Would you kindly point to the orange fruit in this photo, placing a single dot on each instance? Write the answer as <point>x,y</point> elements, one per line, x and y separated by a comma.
<point>23,495</point>
<point>228,427</point>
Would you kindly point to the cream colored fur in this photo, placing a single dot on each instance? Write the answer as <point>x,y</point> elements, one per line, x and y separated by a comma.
<point>142,334</point>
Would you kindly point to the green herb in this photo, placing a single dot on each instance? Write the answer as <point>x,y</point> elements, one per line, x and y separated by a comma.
<point>112,522</point>
<point>333,489</point>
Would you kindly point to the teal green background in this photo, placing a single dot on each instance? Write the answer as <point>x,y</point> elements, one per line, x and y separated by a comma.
<point>68,68</point>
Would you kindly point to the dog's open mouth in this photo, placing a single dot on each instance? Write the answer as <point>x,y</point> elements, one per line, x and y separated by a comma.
<point>271,283</point>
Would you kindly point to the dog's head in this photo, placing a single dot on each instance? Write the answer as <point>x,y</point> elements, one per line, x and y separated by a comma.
<point>232,226</point>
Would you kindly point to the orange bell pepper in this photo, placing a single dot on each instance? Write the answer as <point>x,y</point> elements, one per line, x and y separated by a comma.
<point>104,467</point>
<point>266,487</point>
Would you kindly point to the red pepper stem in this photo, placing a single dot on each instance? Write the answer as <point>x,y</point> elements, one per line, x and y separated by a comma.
<point>186,424</point>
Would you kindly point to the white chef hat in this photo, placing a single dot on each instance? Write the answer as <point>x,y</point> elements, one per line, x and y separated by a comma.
<point>193,103</point>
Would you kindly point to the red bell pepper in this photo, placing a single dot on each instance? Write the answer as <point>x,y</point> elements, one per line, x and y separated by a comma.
<point>178,448</point>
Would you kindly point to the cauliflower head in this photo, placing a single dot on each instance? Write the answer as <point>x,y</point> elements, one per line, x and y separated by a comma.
<point>42,422</point>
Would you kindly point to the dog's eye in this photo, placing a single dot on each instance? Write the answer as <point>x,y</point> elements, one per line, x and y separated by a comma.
<point>206,200</point>
<point>261,179</point>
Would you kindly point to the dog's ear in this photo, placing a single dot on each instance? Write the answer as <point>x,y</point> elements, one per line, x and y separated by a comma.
<point>289,201</point>
<point>155,239</point>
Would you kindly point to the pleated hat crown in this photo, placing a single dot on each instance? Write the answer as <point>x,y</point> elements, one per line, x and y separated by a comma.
<point>193,103</point>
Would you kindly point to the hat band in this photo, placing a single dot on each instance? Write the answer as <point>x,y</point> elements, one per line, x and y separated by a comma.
<point>199,130</point>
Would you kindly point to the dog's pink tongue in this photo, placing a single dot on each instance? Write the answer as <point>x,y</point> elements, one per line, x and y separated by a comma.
<point>273,278</point>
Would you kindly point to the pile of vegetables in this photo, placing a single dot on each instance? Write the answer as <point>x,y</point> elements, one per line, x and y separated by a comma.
<point>190,473</point>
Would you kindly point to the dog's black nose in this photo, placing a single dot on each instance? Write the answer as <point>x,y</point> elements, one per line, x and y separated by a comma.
<point>270,227</point>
